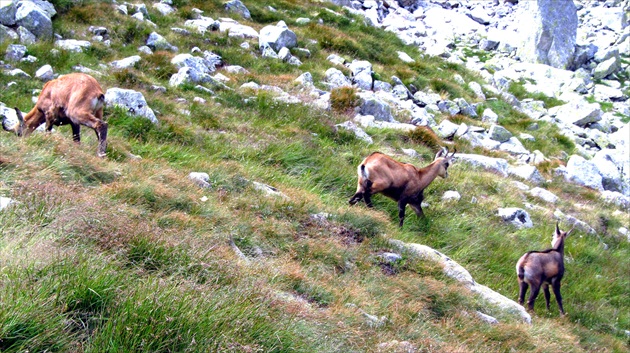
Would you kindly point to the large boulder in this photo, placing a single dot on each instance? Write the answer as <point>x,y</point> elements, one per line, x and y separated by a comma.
<point>584,173</point>
<point>370,105</point>
<point>336,78</point>
<point>579,113</point>
<point>7,13</point>
<point>277,36</point>
<point>131,100</point>
<point>495,165</point>
<point>35,19</point>
<point>236,6</point>
<point>549,30</point>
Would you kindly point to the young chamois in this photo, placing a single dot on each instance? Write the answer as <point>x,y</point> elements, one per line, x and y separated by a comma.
<point>401,182</point>
<point>76,99</point>
<point>542,268</point>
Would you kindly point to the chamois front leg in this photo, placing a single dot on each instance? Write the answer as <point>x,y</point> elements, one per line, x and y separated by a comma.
<point>356,198</point>
<point>555,284</point>
<point>91,121</point>
<point>547,295</point>
<point>76,132</point>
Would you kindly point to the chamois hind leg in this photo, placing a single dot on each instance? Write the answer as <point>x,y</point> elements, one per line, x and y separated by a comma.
<point>521,291</point>
<point>76,132</point>
<point>547,295</point>
<point>417,208</point>
<point>99,126</point>
<point>401,212</point>
<point>532,295</point>
<point>555,284</point>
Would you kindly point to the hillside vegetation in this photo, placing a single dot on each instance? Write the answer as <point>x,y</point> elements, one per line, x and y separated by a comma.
<point>126,254</point>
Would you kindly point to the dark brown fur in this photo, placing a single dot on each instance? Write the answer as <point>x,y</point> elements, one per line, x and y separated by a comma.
<point>542,268</point>
<point>401,182</point>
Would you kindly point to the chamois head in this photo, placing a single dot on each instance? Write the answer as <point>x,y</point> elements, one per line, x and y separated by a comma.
<point>559,236</point>
<point>16,127</point>
<point>444,161</point>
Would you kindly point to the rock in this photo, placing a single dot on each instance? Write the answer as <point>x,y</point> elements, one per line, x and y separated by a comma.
<point>362,74</point>
<point>164,9</point>
<point>45,73</point>
<point>8,9</point>
<point>549,31</point>
<point>284,54</point>
<point>390,257</point>
<point>620,200</point>
<point>358,132</point>
<point>476,88</point>
<point>194,62</point>
<point>486,318</point>
<point>158,42</point>
<point>370,105</point>
<point>305,79</point>
<point>584,173</point>
<point>336,59</point>
<point>7,34</point>
<point>516,216</point>
<point>480,15</point>
<point>451,196</point>
<point>499,133</point>
<point>15,52</point>
<point>466,108</point>
<point>448,107</point>
<point>236,6</point>
<point>201,179</point>
<point>131,100</point>
<point>6,202</point>
<point>579,225</point>
<point>277,37</point>
<point>72,45</point>
<point>369,121</point>
<point>513,146</point>
<point>610,165</point>
<point>335,78</point>
<point>456,271</point>
<point>527,172</point>
<point>26,37</point>
<point>607,68</point>
<point>35,19</point>
<point>495,165</point>
<point>404,57</point>
<point>302,21</point>
<point>544,195</point>
<point>446,129</point>
<point>489,116</point>
<point>125,63</point>
<point>201,25</point>
<point>579,113</point>
<point>269,190</point>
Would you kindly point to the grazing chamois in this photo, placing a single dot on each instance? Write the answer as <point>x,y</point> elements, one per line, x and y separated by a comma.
<point>542,268</point>
<point>401,182</point>
<point>76,99</point>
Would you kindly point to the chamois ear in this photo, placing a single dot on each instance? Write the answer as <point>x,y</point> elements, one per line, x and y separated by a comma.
<point>441,153</point>
<point>558,228</point>
<point>452,154</point>
<point>569,232</point>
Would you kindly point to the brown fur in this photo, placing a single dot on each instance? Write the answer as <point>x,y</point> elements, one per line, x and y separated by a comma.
<point>542,268</point>
<point>76,99</point>
<point>401,182</point>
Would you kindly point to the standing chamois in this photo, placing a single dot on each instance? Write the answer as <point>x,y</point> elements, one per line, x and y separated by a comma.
<point>401,182</point>
<point>76,99</point>
<point>537,268</point>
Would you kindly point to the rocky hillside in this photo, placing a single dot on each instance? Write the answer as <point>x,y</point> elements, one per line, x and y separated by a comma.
<point>218,220</point>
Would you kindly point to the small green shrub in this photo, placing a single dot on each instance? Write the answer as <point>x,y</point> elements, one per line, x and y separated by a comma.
<point>344,99</point>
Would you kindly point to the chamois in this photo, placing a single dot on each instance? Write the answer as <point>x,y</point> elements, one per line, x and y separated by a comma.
<point>401,182</point>
<point>537,268</point>
<point>76,99</point>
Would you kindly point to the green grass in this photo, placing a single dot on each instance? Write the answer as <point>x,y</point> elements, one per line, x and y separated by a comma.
<point>127,254</point>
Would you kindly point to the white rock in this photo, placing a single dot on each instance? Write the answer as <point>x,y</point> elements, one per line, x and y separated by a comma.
<point>516,216</point>
<point>451,196</point>
<point>583,172</point>
<point>543,194</point>
<point>45,73</point>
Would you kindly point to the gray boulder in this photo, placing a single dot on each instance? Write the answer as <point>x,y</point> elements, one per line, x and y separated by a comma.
<point>7,34</point>
<point>277,36</point>
<point>358,132</point>
<point>446,129</point>
<point>131,100</point>
<point>164,9</point>
<point>499,133</point>
<point>45,73</point>
<point>15,52</point>
<point>610,167</point>
<point>527,172</point>
<point>549,30</point>
<point>35,19</point>
<point>371,105</point>
<point>236,6</point>
<point>516,216</point>
<point>73,45</point>
<point>8,10</point>
<point>125,63</point>
<point>489,116</point>
<point>544,195</point>
<point>607,68</point>
<point>448,107</point>
<point>194,62</point>
<point>495,165</point>
<point>579,113</point>
<point>335,78</point>
<point>583,172</point>
<point>158,42</point>
<point>26,37</point>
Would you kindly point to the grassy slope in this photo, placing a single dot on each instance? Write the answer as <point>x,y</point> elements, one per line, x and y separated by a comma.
<point>124,255</point>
